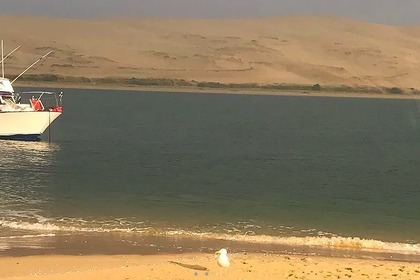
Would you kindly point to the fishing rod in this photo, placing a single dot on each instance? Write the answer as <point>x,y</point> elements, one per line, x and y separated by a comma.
<point>9,54</point>
<point>41,58</point>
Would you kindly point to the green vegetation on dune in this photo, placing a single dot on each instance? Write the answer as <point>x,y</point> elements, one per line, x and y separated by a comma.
<point>172,83</point>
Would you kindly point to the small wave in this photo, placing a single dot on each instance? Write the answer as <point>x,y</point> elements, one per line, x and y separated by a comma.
<point>30,226</point>
<point>337,242</point>
<point>49,227</point>
<point>322,240</point>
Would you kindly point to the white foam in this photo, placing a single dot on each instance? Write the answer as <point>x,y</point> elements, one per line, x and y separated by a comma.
<point>30,226</point>
<point>322,241</point>
<point>28,236</point>
<point>49,227</point>
<point>346,243</point>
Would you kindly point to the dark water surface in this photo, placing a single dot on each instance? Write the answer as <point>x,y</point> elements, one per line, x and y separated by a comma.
<point>324,172</point>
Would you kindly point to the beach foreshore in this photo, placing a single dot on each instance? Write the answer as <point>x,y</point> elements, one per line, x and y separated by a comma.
<point>191,89</point>
<point>201,266</point>
<point>120,257</point>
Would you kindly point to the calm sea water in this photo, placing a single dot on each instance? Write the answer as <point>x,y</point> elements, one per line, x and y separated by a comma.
<point>324,172</point>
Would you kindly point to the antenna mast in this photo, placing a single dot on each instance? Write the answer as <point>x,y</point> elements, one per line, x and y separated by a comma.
<point>2,59</point>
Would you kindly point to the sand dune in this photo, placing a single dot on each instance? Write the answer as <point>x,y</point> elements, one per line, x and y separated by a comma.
<point>292,50</point>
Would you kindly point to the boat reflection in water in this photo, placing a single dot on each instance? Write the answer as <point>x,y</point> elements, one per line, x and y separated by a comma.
<point>33,154</point>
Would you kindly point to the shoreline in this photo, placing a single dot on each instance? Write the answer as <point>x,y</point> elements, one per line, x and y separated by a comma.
<point>118,243</point>
<point>222,90</point>
<point>201,266</point>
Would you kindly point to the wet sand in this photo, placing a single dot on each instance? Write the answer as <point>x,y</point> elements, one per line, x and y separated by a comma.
<point>196,90</point>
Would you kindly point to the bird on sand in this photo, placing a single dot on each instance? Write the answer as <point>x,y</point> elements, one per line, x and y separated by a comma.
<point>222,259</point>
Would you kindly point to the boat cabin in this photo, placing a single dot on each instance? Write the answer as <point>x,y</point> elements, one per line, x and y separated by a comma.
<point>6,91</point>
<point>6,86</point>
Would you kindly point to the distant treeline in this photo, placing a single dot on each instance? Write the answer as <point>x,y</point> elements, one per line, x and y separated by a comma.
<point>163,82</point>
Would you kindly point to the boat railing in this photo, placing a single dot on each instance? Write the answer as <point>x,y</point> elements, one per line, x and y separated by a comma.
<point>41,100</point>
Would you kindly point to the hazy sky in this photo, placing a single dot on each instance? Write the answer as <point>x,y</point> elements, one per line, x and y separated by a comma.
<point>382,11</point>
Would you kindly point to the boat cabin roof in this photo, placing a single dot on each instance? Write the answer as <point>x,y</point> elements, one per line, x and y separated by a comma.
<point>6,86</point>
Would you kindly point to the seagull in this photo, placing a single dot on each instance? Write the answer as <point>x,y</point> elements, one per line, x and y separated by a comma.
<point>222,259</point>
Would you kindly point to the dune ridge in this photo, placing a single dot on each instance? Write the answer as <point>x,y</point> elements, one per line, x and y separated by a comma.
<point>299,50</point>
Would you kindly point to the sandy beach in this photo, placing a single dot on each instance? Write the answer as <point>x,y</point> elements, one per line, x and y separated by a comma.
<point>195,90</point>
<point>201,266</point>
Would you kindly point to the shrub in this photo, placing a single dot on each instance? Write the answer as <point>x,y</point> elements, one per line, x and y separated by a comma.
<point>395,90</point>
<point>316,87</point>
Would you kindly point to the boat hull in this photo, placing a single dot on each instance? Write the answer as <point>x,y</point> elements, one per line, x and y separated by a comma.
<point>22,137</point>
<point>27,126</point>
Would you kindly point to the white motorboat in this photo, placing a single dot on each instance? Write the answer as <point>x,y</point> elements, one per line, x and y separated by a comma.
<point>26,115</point>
